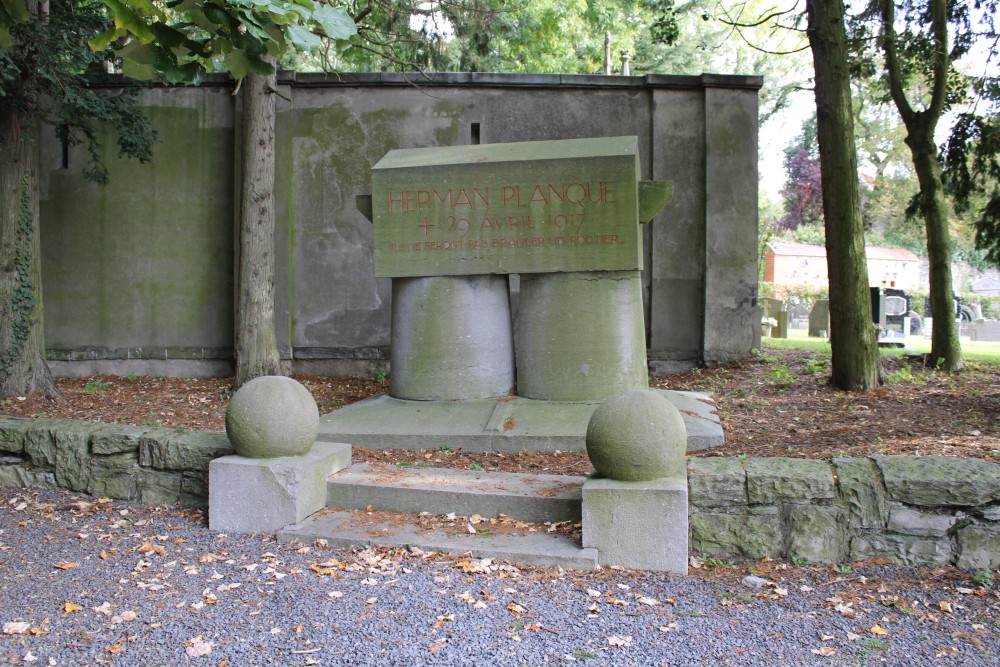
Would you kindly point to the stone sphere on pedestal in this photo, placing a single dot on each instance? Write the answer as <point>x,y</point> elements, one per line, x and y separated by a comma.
<point>635,436</point>
<point>272,416</point>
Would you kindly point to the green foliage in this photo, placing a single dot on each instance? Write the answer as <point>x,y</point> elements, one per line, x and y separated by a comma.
<point>43,76</point>
<point>195,37</point>
<point>972,174</point>
<point>984,578</point>
<point>802,293</point>
<point>380,375</point>
<point>96,386</point>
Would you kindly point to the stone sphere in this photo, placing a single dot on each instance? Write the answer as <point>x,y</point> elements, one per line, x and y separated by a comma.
<point>637,436</point>
<point>272,416</point>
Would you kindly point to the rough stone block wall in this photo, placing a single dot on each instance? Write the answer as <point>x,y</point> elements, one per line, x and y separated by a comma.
<point>155,466</point>
<point>914,510</point>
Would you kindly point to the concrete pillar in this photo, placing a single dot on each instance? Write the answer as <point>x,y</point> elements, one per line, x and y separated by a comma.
<point>580,336</point>
<point>452,338</point>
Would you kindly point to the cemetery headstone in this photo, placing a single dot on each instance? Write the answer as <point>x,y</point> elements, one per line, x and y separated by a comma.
<point>819,319</point>
<point>798,316</point>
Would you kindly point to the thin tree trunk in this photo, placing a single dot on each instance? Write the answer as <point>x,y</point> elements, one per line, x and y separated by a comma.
<point>23,369</point>
<point>855,357</point>
<point>946,350</point>
<point>256,343</point>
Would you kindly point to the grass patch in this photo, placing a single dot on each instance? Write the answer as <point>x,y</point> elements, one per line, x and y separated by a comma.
<point>971,349</point>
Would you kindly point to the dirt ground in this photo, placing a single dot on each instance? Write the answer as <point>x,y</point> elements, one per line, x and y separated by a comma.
<point>777,404</point>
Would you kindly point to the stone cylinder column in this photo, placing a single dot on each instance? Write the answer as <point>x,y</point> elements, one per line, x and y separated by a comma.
<point>452,338</point>
<point>580,336</point>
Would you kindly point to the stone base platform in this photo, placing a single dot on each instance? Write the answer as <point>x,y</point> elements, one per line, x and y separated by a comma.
<point>342,529</point>
<point>507,425</point>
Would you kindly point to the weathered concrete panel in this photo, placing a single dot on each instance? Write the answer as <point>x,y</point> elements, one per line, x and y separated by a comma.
<point>677,262</point>
<point>146,261</point>
<point>732,320</point>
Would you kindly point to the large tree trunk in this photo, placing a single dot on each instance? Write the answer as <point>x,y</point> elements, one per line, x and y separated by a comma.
<point>946,350</point>
<point>23,369</point>
<point>256,344</point>
<point>856,363</point>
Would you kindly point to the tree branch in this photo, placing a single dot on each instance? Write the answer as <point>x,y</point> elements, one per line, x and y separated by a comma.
<point>939,27</point>
<point>892,62</point>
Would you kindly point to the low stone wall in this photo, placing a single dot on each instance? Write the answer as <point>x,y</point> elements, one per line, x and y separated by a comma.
<point>907,509</point>
<point>156,466</point>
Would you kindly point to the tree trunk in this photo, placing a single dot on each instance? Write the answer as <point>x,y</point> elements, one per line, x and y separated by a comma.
<point>946,350</point>
<point>23,369</point>
<point>856,363</point>
<point>256,344</point>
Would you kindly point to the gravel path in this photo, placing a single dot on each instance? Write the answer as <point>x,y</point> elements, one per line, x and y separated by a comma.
<point>89,582</point>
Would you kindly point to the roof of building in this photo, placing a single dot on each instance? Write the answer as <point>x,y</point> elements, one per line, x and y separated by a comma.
<point>806,250</point>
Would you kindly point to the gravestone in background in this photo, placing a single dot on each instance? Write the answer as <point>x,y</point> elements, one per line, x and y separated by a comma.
<point>775,309</point>
<point>819,319</point>
<point>798,316</point>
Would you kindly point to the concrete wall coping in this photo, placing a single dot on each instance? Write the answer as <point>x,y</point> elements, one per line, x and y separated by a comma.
<point>473,80</point>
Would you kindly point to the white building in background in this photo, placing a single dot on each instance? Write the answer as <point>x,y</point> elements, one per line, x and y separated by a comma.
<point>803,264</point>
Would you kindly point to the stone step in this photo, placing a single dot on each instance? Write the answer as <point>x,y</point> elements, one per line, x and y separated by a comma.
<point>525,497</point>
<point>344,529</point>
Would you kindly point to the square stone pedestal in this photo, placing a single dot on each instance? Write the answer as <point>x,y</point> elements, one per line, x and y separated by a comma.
<point>637,525</point>
<point>264,495</point>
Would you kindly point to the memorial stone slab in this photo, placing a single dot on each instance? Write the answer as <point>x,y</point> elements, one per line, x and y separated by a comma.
<point>529,207</point>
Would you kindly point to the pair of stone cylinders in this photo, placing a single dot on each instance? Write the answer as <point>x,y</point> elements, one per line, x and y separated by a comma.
<point>579,337</point>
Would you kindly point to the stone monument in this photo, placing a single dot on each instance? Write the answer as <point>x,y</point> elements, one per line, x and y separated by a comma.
<point>450,225</point>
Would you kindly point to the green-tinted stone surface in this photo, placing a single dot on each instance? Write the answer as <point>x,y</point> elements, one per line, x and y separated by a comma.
<point>166,449</point>
<point>861,493</point>
<point>717,482</point>
<point>815,534</point>
<point>938,480</point>
<point>774,480</point>
<point>12,433</point>
<point>903,549</point>
<point>637,436</point>
<point>531,207</point>
<point>452,338</point>
<point>978,546</point>
<point>579,336</point>
<point>749,535</point>
<point>116,439</point>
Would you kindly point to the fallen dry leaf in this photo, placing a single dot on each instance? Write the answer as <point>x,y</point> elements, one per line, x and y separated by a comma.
<point>67,565</point>
<point>877,630</point>
<point>70,607</point>
<point>197,647</point>
<point>16,628</point>
<point>615,640</point>
<point>825,651</point>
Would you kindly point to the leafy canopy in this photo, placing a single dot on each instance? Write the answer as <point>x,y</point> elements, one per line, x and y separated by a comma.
<point>191,37</point>
<point>44,66</point>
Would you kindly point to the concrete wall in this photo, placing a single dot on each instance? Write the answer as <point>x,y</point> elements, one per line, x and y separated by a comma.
<point>138,274</point>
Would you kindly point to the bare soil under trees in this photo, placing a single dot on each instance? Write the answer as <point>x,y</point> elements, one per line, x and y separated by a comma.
<point>777,404</point>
